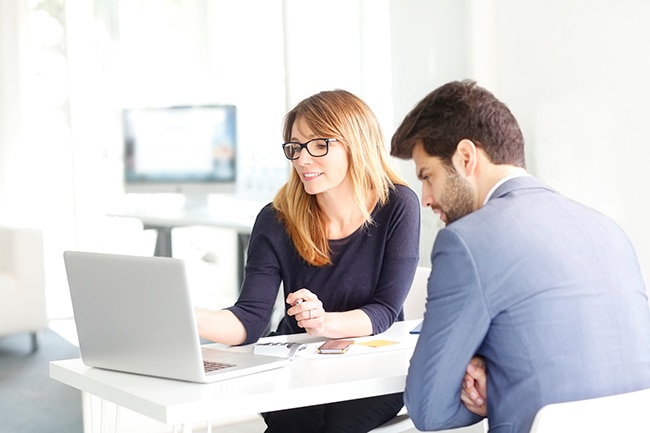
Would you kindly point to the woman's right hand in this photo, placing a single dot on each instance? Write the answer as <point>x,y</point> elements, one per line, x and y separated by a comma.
<point>308,311</point>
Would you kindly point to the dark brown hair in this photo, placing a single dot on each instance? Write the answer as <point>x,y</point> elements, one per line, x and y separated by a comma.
<point>461,110</point>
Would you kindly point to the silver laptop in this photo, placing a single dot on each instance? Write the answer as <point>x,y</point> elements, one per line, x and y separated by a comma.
<point>134,314</point>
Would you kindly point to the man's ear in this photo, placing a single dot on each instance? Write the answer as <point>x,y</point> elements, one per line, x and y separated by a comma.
<point>466,157</point>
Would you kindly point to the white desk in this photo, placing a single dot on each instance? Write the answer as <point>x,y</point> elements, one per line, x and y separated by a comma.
<point>306,381</point>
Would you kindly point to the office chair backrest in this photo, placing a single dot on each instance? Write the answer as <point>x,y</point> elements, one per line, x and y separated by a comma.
<point>417,297</point>
<point>620,413</point>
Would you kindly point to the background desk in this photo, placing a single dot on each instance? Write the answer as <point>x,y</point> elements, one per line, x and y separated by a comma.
<point>306,381</point>
<point>229,213</point>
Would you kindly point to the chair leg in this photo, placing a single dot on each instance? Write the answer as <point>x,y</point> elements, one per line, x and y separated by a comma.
<point>35,341</point>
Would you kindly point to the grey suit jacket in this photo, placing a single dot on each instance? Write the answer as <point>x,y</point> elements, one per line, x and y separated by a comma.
<point>548,291</point>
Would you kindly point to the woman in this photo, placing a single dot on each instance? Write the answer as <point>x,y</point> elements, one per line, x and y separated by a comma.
<point>341,236</point>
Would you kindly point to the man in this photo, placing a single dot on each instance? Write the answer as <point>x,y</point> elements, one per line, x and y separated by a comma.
<point>547,293</point>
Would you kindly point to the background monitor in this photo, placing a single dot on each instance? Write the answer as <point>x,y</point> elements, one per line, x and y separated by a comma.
<point>189,150</point>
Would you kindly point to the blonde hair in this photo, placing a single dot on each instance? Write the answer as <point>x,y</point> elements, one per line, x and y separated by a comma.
<point>335,114</point>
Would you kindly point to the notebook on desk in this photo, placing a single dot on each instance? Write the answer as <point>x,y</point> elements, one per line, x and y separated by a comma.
<point>134,314</point>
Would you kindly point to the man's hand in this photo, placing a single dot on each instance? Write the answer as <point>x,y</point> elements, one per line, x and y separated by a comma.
<point>474,388</point>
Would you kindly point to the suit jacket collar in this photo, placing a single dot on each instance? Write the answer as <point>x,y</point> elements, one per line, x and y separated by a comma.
<point>519,183</point>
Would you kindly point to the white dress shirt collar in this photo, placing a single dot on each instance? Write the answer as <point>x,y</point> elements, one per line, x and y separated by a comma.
<point>501,182</point>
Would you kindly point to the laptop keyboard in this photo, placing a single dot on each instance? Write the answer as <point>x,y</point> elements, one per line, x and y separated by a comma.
<point>214,366</point>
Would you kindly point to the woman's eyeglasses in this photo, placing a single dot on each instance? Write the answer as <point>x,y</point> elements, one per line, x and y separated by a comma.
<point>315,147</point>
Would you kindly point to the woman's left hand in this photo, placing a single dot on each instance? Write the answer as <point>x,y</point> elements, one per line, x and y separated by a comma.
<point>308,311</point>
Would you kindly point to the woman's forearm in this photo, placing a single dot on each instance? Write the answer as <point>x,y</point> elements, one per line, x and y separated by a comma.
<point>220,326</point>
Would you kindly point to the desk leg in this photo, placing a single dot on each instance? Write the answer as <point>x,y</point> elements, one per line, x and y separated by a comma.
<point>242,247</point>
<point>87,411</point>
<point>90,421</point>
<point>187,427</point>
<point>163,240</point>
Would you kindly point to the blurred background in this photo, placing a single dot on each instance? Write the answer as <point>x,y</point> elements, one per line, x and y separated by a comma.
<point>575,73</point>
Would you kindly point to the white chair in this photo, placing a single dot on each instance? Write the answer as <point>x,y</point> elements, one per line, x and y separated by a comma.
<point>403,424</point>
<point>22,282</point>
<point>620,413</point>
<point>417,297</point>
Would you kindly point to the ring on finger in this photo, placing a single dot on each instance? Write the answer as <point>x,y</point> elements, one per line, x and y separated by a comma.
<point>309,314</point>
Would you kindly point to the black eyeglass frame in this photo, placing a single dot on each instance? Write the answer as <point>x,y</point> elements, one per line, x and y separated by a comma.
<point>305,146</point>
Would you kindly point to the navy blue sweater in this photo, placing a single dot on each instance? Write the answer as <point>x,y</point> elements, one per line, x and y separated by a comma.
<point>372,268</point>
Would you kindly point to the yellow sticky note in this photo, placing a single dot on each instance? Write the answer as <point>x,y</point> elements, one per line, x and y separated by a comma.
<point>377,343</point>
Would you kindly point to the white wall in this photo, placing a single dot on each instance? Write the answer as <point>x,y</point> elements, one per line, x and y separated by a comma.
<point>10,111</point>
<point>429,45</point>
<point>575,73</point>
